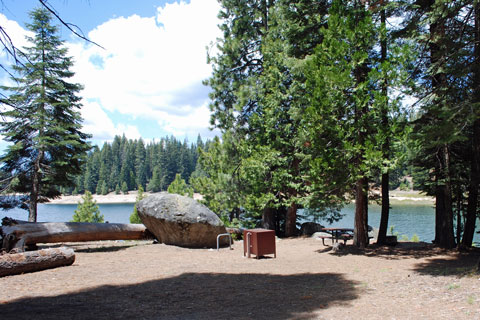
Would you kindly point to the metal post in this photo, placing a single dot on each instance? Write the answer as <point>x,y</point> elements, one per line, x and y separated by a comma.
<point>249,235</point>
<point>224,235</point>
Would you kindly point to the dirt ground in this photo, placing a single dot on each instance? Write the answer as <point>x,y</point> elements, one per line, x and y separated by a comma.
<point>141,280</point>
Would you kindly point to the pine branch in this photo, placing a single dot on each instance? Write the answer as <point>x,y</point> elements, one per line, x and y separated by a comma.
<point>70,26</point>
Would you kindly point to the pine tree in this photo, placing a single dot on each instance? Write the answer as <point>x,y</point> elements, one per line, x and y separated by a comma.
<point>447,89</point>
<point>124,187</point>
<point>343,116</point>
<point>104,188</point>
<point>155,184</point>
<point>215,179</point>
<point>134,218</point>
<point>87,211</point>
<point>42,121</point>
<point>179,186</point>
<point>140,168</point>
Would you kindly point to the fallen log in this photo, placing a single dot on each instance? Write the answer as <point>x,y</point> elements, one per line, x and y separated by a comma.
<point>20,235</point>
<point>7,221</point>
<point>30,261</point>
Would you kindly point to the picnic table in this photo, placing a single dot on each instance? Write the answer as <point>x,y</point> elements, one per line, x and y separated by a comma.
<point>336,234</point>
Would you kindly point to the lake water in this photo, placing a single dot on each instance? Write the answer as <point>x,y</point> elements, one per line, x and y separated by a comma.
<point>113,213</point>
<point>407,219</point>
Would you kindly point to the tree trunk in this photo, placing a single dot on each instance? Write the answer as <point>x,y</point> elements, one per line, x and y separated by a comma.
<point>291,221</point>
<point>382,230</point>
<point>360,238</point>
<point>268,219</point>
<point>475,161</point>
<point>18,236</point>
<point>444,235</point>
<point>17,263</point>
<point>472,205</point>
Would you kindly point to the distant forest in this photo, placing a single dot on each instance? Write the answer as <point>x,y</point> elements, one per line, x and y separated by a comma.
<point>125,164</point>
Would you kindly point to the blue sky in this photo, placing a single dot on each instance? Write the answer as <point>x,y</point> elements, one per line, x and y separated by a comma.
<point>147,82</point>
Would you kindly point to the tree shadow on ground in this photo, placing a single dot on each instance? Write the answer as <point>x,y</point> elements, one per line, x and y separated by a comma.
<point>403,250</point>
<point>196,296</point>
<point>96,246</point>
<point>451,262</point>
<point>457,264</point>
<point>103,249</point>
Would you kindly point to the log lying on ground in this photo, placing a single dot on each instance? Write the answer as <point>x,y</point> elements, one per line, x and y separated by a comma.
<point>20,235</point>
<point>17,263</point>
<point>7,221</point>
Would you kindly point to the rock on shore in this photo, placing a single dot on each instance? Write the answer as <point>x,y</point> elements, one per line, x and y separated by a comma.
<point>181,221</point>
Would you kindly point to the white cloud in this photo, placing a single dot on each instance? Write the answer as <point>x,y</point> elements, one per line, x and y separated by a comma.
<point>151,68</point>
<point>14,36</point>
<point>97,123</point>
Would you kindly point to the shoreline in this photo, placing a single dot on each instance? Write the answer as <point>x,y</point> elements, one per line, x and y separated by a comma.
<point>112,198</point>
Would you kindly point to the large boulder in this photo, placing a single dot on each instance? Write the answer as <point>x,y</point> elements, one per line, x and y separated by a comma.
<point>181,221</point>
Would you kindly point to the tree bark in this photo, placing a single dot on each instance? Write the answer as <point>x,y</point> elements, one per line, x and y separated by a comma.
<point>360,237</point>
<point>444,235</point>
<point>291,221</point>
<point>18,236</point>
<point>268,219</point>
<point>382,230</point>
<point>17,263</point>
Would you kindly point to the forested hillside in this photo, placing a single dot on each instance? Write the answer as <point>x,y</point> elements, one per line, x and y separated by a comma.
<point>125,164</point>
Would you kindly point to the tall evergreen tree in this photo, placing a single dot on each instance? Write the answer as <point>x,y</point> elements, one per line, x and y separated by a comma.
<point>348,106</point>
<point>448,111</point>
<point>474,184</point>
<point>42,120</point>
<point>140,167</point>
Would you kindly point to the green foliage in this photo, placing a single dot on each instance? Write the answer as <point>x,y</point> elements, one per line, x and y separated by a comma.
<point>179,186</point>
<point>41,120</point>
<point>415,238</point>
<point>134,218</point>
<point>442,143</point>
<point>124,187</point>
<point>392,231</point>
<point>87,211</point>
<point>155,184</point>
<point>215,179</point>
<point>153,166</point>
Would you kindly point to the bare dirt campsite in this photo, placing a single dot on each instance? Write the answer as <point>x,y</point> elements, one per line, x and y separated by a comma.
<point>141,280</point>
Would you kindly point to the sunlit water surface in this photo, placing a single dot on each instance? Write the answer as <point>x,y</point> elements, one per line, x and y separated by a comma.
<point>406,219</point>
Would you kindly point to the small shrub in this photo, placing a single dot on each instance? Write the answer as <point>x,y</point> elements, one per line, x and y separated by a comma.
<point>134,218</point>
<point>88,211</point>
<point>392,233</point>
<point>179,186</point>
